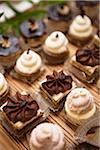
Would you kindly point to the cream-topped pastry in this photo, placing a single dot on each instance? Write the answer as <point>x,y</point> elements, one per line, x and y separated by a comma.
<point>47,136</point>
<point>56,43</point>
<point>80,105</point>
<point>81,27</point>
<point>3,85</point>
<point>28,63</point>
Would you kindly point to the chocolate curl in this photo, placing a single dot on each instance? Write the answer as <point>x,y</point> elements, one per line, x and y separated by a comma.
<point>28,51</point>
<point>82,11</point>
<point>57,35</point>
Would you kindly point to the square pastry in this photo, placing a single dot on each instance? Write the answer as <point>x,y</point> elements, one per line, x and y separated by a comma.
<point>55,87</point>
<point>85,64</point>
<point>21,113</point>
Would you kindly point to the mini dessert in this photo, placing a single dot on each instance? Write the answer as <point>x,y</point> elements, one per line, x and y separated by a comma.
<point>34,33</point>
<point>85,64</point>
<point>4,89</point>
<point>20,113</point>
<point>47,136</point>
<point>56,87</point>
<point>59,18</point>
<point>55,48</point>
<point>79,105</point>
<point>91,8</point>
<point>9,50</point>
<point>81,30</point>
<point>28,67</point>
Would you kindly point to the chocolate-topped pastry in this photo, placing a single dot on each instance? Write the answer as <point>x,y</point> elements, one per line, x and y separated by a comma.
<point>86,60</point>
<point>59,17</point>
<point>91,8</point>
<point>21,108</point>
<point>20,113</point>
<point>88,57</point>
<point>57,82</point>
<point>33,32</point>
<point>56,87</point>
<point>9,50</point>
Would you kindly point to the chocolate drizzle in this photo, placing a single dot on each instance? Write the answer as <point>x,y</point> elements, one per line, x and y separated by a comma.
<point>21,108</point>
<point>57,82</point>
<point>82,11</point>
<point>88,57</point>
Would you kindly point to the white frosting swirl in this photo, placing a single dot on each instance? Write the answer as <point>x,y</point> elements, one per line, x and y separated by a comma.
<point>28,63</point>
<point>56,42</point>
<point>47,136</point>
<point>81,27</point>
<point>3,84</point>
<point>79,99</point>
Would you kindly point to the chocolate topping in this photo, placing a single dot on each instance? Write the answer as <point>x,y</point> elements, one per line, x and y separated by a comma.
<point>28,51</point>
<point>8,45</point>
<point>82,11</point>
<point>32,29</point>
<point>57,82</point>
<point>54,14</point>
<point>21,108</point>
<point>88,57</point>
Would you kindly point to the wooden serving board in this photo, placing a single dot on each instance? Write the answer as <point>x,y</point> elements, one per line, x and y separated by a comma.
<point>10,143</point>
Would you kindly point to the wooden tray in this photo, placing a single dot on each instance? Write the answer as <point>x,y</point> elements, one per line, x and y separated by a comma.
<point>10,143</point>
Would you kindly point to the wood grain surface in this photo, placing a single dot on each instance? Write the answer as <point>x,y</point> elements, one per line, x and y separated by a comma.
<point>7,142</point>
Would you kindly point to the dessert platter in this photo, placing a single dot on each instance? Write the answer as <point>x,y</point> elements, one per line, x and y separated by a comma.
<point>50,80</point>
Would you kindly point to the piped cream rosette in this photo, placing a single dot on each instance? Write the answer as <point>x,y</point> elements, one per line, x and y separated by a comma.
<point>56,43</point>
<point>80,104</point>
<point>81,27</point>
<point>28,63</point>
<point>47,136</point>
<point>3,85</point>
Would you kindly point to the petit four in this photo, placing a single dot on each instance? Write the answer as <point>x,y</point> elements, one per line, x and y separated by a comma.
<point>81,30</point>
<point>9,50</point>
<point>56,87</point>
<point>79,105</point>
<point>34,33</point>
<point>28,67</point>
<point>85,63</point>
<point>55,48</point>
<point>47,136</point>
<point>59,18</point>
<point>21,113</point>
<point>4,89</point>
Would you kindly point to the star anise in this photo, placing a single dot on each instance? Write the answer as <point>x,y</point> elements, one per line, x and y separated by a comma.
<point>88,57</point>
<point>57,82</point>
<point>21,108</point>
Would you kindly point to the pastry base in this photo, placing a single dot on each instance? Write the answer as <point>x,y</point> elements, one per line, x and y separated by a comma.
<point>84,73</point>
<point>52,25</point>
<point>78,119</point>
<point>29,79</point>
<point>56,101</point>
<point>79,42</point>
<point>35,44</point>
<point>51,58</point>
<point>9,61</point>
